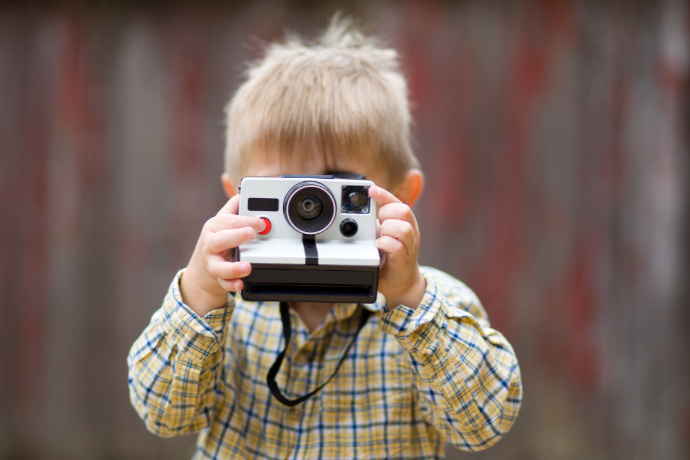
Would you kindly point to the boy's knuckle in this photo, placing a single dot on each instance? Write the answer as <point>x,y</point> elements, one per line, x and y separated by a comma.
<point>399,246</point>
<point>213,270</point>
<point>213,242</point>
<point>209,224</point>
<point>406,211</point>
<point>229,272</point>
<point>407,230</point>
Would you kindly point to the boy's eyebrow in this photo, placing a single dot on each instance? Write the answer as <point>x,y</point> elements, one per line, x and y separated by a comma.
<point>346,175</point>
<point>337,174</point>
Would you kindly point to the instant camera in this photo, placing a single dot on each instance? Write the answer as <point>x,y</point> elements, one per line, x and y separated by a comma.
<point>318,244</point>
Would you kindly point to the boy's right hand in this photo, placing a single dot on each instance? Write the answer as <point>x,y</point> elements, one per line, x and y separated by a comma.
<point>211,273</point>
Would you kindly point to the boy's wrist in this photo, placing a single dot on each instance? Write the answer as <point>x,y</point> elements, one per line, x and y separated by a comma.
<point>412,297</point>
<point>198,299</point>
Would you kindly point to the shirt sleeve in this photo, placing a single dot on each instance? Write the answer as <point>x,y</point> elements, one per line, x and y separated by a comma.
<point>466,372</point>
<point>175,366</point>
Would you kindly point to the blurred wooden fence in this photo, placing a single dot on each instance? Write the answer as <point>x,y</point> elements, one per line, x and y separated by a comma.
<point>553,135</point>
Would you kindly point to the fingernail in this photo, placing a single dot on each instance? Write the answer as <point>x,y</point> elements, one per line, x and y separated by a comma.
<point>245,267</point>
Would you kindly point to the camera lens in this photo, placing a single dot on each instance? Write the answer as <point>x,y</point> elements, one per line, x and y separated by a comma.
<point>309,208</point>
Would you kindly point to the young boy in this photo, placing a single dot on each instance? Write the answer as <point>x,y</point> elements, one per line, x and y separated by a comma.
<point>425,365</point>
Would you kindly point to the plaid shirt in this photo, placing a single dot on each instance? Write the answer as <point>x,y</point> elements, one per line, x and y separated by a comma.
<point>412,379</point>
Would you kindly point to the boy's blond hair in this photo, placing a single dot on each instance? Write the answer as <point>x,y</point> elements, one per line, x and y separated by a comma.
<point>343,95</point>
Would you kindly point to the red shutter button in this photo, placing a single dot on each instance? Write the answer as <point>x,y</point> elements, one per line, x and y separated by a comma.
<point>267,229</point>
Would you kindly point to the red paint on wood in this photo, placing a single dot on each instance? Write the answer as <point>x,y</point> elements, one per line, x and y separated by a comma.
<point>504,258</point>
<point>80,122</point>
<point>580,302</point>
<point>33,260</point>
<point>560,19</point>
<point>188,107</point>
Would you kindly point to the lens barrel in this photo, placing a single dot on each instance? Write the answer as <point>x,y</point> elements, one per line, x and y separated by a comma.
<point>309,208</point>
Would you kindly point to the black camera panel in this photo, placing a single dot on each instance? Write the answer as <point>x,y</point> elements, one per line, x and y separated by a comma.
<point>263,204</point>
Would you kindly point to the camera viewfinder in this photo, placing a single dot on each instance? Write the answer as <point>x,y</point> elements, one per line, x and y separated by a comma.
<point>355,199</point>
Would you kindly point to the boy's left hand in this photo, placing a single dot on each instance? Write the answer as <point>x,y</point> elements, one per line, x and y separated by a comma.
<point>400,280</point>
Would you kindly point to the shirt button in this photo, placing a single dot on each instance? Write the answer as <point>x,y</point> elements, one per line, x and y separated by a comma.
<point>296,412</point>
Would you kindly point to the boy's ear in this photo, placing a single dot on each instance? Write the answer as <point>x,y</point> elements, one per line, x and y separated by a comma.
<point>230,189</point>
<point>410,188</point>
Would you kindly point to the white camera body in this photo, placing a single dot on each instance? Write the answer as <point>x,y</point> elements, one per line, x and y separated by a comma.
<point>319,242</point>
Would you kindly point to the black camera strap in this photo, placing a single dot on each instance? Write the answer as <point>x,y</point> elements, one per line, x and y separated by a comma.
<point>287,332</point>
